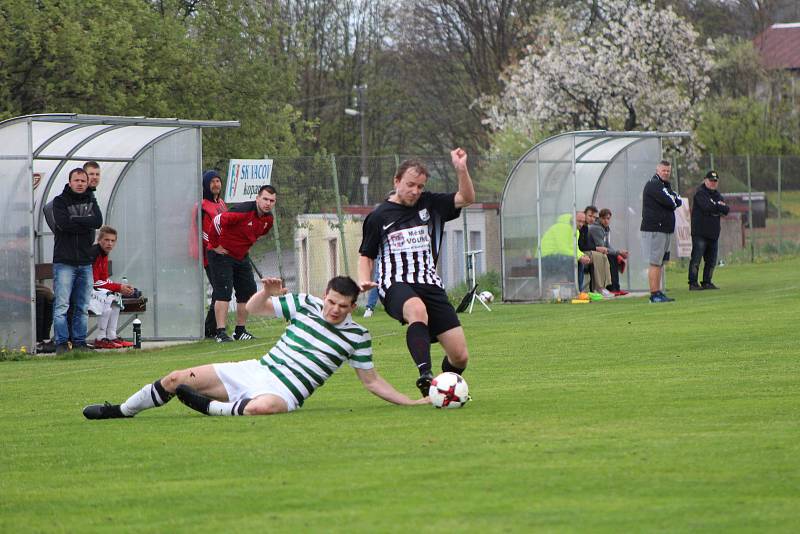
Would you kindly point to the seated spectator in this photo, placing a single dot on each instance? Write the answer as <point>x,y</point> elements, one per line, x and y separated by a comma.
<point>600,240</point>
<point>107,296</point>
<point>596,261</point>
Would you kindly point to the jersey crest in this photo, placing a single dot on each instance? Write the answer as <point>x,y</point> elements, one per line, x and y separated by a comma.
<point>424,215</point>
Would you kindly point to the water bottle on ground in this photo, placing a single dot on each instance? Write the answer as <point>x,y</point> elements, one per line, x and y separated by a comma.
<point>137,333</point>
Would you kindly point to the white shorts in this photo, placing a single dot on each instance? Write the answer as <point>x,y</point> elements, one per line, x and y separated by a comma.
<point>655,246</point>
<point>249,379</point>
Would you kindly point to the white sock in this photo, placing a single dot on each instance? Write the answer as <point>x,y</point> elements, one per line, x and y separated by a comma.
<point>102,322</point>
<point>150,396</point>
<point>227,408</point>
<point>113,320</point>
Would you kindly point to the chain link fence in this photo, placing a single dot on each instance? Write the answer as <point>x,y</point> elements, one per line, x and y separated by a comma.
<point>323,200</point>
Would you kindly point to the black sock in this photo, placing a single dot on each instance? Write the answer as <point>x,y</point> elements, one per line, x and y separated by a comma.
<point>220,330</point>
<point>163,393</point>
<point>448,367</point>
<point>239,329</point>
<point>418,339</point>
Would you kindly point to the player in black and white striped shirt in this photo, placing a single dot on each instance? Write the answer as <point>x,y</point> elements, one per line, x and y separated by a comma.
<point>405,233</point>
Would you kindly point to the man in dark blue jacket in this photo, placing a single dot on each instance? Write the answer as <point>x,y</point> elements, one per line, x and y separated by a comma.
<point>707,209</point>
<point>659,203</point>
<point>77,216</point>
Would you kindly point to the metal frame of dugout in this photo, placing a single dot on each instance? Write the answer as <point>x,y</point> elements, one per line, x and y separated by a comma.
<point>556,178</point>
<point>150,184</point>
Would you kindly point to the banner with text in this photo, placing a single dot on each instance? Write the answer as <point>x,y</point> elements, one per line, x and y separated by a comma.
<point>683,229</point>
<point>245,178</point>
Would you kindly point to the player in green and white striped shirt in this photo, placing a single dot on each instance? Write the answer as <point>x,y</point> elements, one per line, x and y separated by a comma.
<point>320,337</point>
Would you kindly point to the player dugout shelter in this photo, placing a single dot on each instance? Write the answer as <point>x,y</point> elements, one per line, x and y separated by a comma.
<point>553,180</point>
<point>150,184</point>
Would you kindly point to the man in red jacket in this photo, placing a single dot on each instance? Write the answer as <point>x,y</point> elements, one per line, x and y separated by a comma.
<point>229,241</point>
<point>212,206</point>
<point>106,301</point>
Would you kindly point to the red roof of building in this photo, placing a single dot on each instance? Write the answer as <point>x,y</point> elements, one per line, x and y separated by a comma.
<point>779,46</point>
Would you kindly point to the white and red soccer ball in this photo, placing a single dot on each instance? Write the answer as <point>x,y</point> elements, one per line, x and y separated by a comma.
<point>449,390</point>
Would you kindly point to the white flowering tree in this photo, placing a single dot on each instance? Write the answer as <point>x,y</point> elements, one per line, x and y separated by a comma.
<point>606,64</point>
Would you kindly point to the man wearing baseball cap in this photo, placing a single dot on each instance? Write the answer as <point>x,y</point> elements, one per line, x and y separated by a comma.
<point>707,208</point>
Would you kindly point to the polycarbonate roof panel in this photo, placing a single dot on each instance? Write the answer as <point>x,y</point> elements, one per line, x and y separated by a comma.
<point>124,142</point>
<point>607,150</point>
<point>66,143</point>
<point>42,131</point>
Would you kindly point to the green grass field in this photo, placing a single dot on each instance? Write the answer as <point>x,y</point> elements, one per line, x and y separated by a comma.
<point>614,416</point>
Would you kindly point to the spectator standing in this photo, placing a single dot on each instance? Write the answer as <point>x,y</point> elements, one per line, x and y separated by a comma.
<point>707,208</point>
<point>229,242</point>
<point>211,206</point>
<point>659,203</point>
<point>92,169</point>
<point>77,216</point>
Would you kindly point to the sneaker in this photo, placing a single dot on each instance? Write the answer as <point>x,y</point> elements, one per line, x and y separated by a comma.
<point>708,285</point>
<point>660,297</point>
<point>63,348</point>
<point>243,336</point>
<point>606,293</point>
<point>222,337</point>
<point>122,343</point>
<point>82,347</point>
<point>193,399</point>
<point>695,287</point>
<point>424,383</point>
<point>105,344</point>
<point>368,312</point>
<point>619,292</point>
<point>104,411</point>
<point>45,347</point>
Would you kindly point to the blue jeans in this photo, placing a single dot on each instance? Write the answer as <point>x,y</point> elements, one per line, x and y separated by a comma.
<point>705,249</point>
<point>76,281</point>
<point>372,297</point>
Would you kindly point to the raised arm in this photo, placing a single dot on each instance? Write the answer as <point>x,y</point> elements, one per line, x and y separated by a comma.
<point>466,192</point>
<point>261,302</point>
<point>375,384</point>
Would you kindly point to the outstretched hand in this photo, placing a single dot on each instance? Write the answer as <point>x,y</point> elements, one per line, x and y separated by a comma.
<point>459,157</point>
<point>273,286</point>
<point>368,285</point>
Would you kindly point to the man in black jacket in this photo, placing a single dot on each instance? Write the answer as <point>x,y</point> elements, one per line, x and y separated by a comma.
<point>708,207</point>
<point>659,203</point>
<point>76,215</point>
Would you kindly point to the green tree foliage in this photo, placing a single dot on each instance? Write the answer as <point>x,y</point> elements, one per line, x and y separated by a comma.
<point>744,126</point>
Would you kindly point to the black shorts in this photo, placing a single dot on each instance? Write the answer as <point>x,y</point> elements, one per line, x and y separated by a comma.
<point>441,314</point>
<point>229,274</point>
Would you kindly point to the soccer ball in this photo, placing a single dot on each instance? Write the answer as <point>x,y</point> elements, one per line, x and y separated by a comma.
<point>449,390</point>
<point>486,296</point>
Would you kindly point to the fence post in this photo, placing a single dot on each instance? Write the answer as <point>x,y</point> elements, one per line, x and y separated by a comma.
<point>780,228</point>
<point>750,212</point>
<point>339,215</point>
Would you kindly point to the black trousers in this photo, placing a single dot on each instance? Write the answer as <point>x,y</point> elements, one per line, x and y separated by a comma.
<point>705,249</point>
<point>211,318</point>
